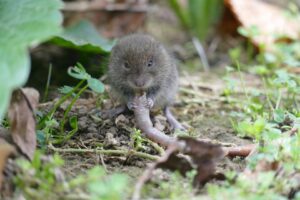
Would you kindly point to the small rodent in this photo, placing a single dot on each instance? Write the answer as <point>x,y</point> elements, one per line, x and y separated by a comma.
<point>139,63</point>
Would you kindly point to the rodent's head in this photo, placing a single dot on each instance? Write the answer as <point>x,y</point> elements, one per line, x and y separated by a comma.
<point>138,61</point>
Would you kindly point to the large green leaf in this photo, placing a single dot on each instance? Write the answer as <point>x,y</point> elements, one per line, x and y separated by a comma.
<point>83,36</point>
<point>202,14</point>
<point>23,23</point>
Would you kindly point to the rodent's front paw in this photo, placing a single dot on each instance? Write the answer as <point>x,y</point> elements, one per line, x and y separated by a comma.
<point>150,103</point>
<point>131,105</point>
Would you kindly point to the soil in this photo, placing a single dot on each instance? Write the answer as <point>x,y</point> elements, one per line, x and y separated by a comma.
<point>206,117</point>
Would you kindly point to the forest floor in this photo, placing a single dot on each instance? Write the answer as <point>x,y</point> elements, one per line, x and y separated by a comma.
<point>200,105</point>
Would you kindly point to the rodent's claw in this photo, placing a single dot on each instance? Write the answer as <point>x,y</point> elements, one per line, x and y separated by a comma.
<point>150,103</point>
<point>131,105</point>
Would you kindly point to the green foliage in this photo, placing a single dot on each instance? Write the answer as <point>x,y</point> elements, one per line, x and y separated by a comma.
<point>47,125</point>
<point>270,115</point>
<point>83,36</point>
<point>202,15</point>
<point>137,139</point>
<point>106,188</point>
<point>175,187</point>
<point>198,16</point>
<point>23,24</point>
<point>79,72</point>
<point>265,185</point>
<point>246,188</point>
<point>41,179</point>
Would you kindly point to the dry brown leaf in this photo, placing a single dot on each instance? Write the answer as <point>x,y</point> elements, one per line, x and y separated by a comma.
<point>20,114</point>
<point>271,21</point>
<point>5,150</point>
<point>198,155</point>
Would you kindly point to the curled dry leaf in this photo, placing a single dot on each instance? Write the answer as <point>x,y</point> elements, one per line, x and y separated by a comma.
<point>5,150</point>
<point>21,117</point>
<point>242,151</point>
<point>271,21</point>
<point>198,155</point>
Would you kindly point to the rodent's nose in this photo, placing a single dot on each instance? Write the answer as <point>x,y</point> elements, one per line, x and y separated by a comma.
<point>139,82</point>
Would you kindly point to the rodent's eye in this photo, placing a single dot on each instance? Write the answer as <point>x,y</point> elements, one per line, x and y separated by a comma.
<point>150,63</point>
<point>126,65</point>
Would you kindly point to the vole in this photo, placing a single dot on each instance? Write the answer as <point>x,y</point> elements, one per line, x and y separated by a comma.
<point>139,63</point>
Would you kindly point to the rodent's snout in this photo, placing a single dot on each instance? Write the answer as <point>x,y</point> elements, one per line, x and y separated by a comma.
<point>142,82</point>
<point>139,82</point>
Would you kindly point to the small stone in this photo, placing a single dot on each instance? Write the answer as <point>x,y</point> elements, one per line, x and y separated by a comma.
<point>110,140</point>
<point>82,111</point>
<point>160,122</point>
<point>82,123</point>
<point>121,119</point>
<point>92,129</point>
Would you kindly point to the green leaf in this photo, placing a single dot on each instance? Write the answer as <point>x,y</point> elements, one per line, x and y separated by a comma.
<point>83,36</point>
<point>65,89</point>
<point>181,13</point>
<point>73,122</point>
<point>203,14</point>
<point>279,116</point>
<point>96,85</point>
<point>78,73</point>
<point>41,138</point>
<point>23,23</point>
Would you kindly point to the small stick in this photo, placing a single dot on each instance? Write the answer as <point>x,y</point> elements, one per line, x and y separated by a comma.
<point>106,152</point>
<point>148,172</point>
<point>243,151</point>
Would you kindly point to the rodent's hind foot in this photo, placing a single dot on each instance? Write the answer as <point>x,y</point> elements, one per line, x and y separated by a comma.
<point>108,114</point>
<point>174,124</point>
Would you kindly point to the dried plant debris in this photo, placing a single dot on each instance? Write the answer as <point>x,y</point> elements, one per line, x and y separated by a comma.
<point>198,155</point>
<point>5,151</point>
<point>22,121</point>
<point>20,138</point>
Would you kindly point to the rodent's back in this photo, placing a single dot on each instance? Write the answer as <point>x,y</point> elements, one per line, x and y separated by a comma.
<point>140,60</point>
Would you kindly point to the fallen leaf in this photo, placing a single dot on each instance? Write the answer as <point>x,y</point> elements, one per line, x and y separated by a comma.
<point>271,21</point>
<point>5,150</point>
<point>198,155</point>
<point>22,121</point>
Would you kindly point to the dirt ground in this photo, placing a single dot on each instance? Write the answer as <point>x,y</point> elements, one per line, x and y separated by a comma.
<point>200,106</point>
<point>204,111</point>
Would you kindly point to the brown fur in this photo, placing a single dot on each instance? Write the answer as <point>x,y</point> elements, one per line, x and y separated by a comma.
<point>160,81</point>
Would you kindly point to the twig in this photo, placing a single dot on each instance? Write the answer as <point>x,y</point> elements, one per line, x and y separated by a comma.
<point>201,53</point>
<point>102,162</point>
<point>158,148</point>
<point>106,152</point>
<point>242,151</point>
<point>47,83</point>
<point>148,172</point>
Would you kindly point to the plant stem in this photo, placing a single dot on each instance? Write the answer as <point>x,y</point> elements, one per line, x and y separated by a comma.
<point>58,103</point>
<point>106,152</point>
<point>158,148</point>
<point>201,53</point>
<point>48,83</point>
<point>68,109</point>
<point>278,99</point>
